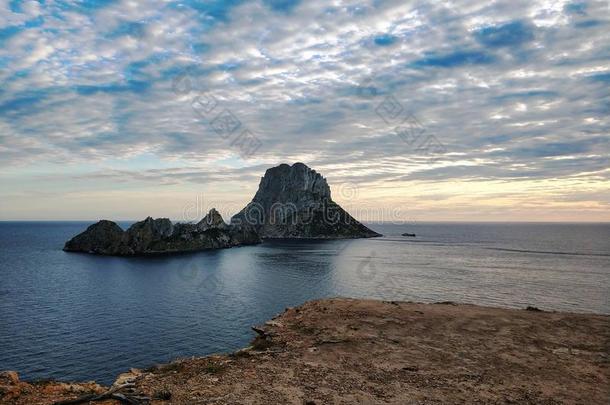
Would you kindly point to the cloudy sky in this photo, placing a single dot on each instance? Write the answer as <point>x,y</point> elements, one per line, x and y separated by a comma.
<point>413,110</point>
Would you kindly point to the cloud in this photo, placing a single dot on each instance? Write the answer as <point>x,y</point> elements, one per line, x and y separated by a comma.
<point>513,90</point>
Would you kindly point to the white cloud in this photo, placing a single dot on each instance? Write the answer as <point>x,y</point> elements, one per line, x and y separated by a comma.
<point>95,85</point>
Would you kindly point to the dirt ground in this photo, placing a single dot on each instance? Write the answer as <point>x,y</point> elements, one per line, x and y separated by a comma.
<point>347,351</point>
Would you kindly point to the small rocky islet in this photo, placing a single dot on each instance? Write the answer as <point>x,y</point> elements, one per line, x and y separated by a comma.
<point>291,202</point>
<point>157,236</point>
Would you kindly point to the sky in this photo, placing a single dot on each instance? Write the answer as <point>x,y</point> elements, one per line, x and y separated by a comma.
<point>412,110</point>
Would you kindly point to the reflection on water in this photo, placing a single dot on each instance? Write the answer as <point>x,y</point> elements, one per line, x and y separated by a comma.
<point>76,316</point>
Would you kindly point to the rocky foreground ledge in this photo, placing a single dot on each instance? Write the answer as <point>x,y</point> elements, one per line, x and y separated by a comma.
<point>345,351</point>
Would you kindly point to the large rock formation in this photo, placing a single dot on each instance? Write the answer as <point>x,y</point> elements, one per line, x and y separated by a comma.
<point>295,202</point>
<point>155,236</point>
<point>291,202</point>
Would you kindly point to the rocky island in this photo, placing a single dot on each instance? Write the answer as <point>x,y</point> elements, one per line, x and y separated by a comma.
<point>347,351</point>
<point>156,236</point>
<point>295,202</point>
<point>291,202</point>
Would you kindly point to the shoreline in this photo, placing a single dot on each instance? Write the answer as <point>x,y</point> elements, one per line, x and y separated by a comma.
<point>353,350</point>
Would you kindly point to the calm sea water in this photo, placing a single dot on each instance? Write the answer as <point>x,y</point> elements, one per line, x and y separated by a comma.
<point>79,317</point>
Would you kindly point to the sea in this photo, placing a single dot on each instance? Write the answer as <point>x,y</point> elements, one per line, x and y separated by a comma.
<point>73,316</point>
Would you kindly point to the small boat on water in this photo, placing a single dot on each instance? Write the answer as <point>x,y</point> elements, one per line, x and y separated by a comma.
<point>412,235</point>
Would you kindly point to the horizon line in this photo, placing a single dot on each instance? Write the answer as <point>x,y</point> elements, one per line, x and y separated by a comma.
<point>405,222</point>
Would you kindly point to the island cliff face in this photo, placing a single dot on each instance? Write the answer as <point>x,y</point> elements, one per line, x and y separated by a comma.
<point>154,236</point>
<point>295,202</point>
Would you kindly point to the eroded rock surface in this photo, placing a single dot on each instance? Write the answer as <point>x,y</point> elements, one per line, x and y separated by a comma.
<point>102,237</point>
<point>212,220</point>
<point>157,236</point>
<point>295,202</point>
